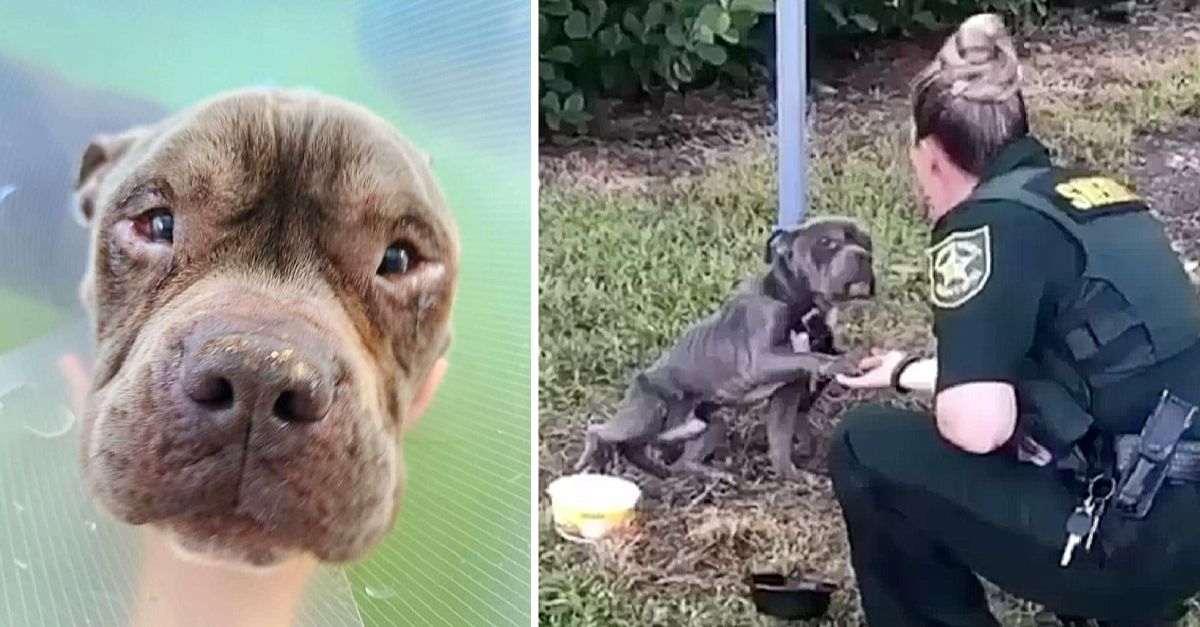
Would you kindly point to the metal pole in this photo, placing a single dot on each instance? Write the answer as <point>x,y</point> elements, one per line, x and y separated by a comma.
<point>791,39</point>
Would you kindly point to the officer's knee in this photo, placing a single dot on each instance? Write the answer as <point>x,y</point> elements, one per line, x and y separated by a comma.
<point>873,439</point>
<point>863,421</point>
<point>859,423</point>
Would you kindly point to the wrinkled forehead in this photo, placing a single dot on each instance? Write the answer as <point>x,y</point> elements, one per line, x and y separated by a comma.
<point>838,228</point>
<point>299,144</point>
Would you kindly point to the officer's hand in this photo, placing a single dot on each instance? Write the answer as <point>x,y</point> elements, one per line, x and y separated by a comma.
<point>878,370</point>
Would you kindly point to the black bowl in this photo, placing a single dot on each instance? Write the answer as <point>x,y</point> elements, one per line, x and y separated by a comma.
<point>792,598</point>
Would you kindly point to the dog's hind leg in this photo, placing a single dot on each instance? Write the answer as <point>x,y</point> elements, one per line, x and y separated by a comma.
<point>591,446</point>
<point>689,430</point>
<point>674,415</point>
<point>699,449</point>
<point>635,453</point>
<point>616,432</point>
<point>640,416</point>
<point>672,442</point>
<point>702,448</point>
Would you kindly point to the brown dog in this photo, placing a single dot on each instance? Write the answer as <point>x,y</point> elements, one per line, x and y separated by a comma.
<point>271,278</point>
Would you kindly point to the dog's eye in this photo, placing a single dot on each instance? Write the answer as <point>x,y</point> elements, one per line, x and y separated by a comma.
<point>825,241</point>
<point>157,225</point>
<point>396,259</point>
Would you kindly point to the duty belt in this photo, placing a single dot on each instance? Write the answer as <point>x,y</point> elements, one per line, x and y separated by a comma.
<point>1183,468</point>
<point>1129,471</point>
<point>1144,462</point>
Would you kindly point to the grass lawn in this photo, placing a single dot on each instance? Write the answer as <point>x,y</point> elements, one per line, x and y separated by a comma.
<point>623,268</point>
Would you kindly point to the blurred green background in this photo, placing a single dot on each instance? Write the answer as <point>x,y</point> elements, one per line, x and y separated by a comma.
<point>456,80</point>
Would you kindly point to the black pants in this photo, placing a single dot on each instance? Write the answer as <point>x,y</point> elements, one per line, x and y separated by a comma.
<point>924,518</point>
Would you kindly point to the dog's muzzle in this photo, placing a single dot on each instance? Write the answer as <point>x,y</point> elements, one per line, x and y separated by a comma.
<point>861,289</point>
<point>862,282</point>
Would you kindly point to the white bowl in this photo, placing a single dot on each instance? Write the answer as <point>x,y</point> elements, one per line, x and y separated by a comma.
<point>591,506</point>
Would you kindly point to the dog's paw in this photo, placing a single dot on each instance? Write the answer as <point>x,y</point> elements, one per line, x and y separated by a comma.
<point>786,472</point>
<point>705,471</point>
<point>582,465</point>
<point>841,365</point>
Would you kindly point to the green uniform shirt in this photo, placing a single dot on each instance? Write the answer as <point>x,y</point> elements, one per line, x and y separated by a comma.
<point>1003,264</point>
<point>996,268</point>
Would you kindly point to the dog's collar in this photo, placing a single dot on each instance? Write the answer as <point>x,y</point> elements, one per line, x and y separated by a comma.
<point>818,324</point>
<point>815,312</point>
<point>778,283</point>
<point>817,320</point>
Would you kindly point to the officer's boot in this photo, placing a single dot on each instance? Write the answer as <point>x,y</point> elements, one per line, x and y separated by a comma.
<point>1046,619</point>
<point>1153,623</point>
<point>1116,10</point>
<point>1174,615</point>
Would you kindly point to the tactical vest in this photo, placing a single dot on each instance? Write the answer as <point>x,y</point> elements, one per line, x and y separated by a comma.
<point>1133,305</point>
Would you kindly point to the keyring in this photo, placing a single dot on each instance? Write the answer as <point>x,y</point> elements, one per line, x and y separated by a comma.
<point>1107,482</point>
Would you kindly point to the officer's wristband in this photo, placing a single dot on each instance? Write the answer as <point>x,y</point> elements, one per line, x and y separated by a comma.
<point>899,370</point>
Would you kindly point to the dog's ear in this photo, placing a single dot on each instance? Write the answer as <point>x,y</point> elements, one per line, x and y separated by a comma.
<point>777,244</point>
<point>98,158</point>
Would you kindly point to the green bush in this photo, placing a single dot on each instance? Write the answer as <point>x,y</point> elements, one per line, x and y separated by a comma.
<point>839,18</point>
<point>627,49</point>
<point>591,48</point>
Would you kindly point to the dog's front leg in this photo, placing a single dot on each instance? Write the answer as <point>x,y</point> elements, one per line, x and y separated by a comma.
<point>784,367</point>
<point>809,394</point>
<point>782,417</point>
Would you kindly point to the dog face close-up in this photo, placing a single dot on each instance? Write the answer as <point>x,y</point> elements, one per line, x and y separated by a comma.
<point>271,277</point>
<point>833,254</point>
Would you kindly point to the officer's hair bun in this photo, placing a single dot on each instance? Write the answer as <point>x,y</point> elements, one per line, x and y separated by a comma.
<point>979,62</point>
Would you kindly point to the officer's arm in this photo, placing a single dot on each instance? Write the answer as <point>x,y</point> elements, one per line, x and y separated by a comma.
<point>964,411</point>
<point>977,417</point>
<point>985,323</point>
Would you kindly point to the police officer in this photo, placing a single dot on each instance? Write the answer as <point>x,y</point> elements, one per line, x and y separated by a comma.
<point>1064,382</point>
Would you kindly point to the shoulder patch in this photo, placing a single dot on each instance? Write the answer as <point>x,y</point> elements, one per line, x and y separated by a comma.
<point>959,267</point>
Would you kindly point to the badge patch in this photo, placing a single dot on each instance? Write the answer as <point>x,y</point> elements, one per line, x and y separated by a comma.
<point>959,267</point>
<point>1091,192</point>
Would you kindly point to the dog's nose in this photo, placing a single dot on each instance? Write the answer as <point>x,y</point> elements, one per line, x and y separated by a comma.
<point>256,375</point>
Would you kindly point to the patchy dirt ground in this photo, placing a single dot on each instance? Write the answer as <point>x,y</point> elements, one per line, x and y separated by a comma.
<point>702,536</point>
<point>1167,171</point>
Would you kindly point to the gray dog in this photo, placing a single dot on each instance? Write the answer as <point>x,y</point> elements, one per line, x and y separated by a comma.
<point>271,278</point>
<point>744,353</point>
